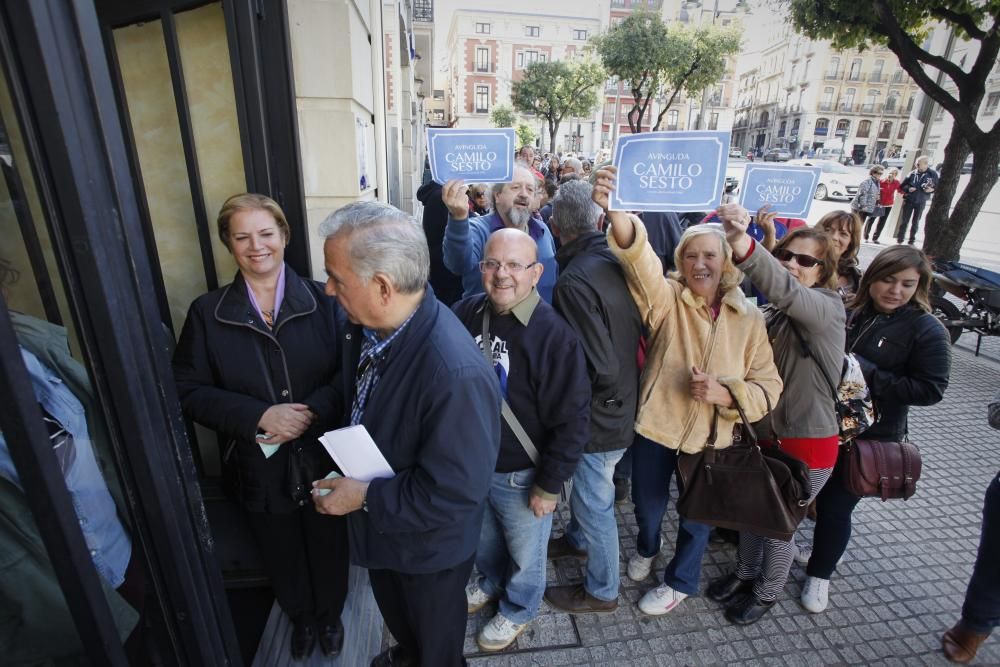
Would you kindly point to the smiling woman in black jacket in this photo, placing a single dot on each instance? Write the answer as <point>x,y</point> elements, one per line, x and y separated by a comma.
<point>905,355</point>
<point>255,363</point>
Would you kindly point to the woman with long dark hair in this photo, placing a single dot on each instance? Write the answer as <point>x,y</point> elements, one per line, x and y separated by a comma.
<point>844,229</point>
<point>905,355</point>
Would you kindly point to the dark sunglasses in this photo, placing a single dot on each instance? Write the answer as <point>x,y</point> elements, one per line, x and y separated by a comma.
<point>805,261</point>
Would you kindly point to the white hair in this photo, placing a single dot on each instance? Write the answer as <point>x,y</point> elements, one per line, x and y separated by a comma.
<point>382,239</point>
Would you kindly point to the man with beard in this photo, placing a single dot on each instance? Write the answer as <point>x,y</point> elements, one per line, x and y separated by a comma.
<point>543,379</point>
<point>465,238</point>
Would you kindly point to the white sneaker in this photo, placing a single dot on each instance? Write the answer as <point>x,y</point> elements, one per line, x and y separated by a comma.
<point>804,553</point>
<point>660,600</point>
<point>475,597</point>
<point>639,567</point>
<point>499,633</point>
<point>816,594</point>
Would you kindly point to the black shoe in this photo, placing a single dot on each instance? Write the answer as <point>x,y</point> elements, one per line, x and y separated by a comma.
<point>621,490</point>
<point>303,640</point>
<point>394,656</point>
<point>726,587</point>
<point>561,547</point>
<point>747,610</point>
<point>331,639</point>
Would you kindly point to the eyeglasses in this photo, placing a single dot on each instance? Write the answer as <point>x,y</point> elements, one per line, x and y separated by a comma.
<point>805,261</point>
<point>512,268</point>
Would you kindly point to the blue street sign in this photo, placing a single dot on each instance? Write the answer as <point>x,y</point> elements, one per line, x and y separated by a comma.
<point>787,189</point>
<point>670,171</point>
<point>475,156</point>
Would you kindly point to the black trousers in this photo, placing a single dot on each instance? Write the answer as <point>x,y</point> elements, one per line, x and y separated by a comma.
<point>834,507</point>
<point>426,613</point>
<point>981,611</point>
<point>305,555</point>
<point>910,217</point>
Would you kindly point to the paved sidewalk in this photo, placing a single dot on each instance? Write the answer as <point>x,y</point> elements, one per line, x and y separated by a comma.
<point>901,585</point>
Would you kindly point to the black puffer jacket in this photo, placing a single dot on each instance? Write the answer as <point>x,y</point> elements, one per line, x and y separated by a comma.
<point>230,368</point>
<point>906,359</point>
<point>591,294</point>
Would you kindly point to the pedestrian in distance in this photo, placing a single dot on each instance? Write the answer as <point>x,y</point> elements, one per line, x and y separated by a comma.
<point>844,230</point>
<point>542,375</point>
<point>917,188</point>
<point>981,609</point>
<point>888,191</point>
<point>414,379</point>
<point>866,202</point>
<point>797,279</point>
<point>591,294</point>
<point>698,313</point>
<point>905,355</point>
<point>255,362</point>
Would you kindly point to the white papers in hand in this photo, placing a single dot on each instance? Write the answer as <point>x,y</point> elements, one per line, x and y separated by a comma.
<point>355,453</point>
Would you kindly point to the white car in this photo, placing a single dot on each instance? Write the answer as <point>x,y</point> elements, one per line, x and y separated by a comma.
<point>836,180</point>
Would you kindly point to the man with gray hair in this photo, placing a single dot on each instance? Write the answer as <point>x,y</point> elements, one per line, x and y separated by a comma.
<point>416,381</point>
<point>465,238</point>
<point>572,168</point>
<point>591,294</point>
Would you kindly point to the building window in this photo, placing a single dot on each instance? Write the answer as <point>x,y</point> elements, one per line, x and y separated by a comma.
<point>855,74</point>
<point>482,59</point>
<point>890,102</point>
<point>532,31</point>
<point>992,102</point>
<point>886,130</point>
<point>843,127</point>
<point>902,130</point>
<point>482,99</point>
<point>833,69</point>
<point>672,116</point>
<point>877,71</point>
<point>609,113</point>
<point>805,70</point>
<point>864,129</point>
<point>795,127</point>
<point>713,121</point>
<point>822,127</point>
<point>848,99</point>
<point>525,58</point>
<point>782,127</point>
<point>483,28</point>
<point>909,103</point>
<point>438,94</point>
<point>580,34</point>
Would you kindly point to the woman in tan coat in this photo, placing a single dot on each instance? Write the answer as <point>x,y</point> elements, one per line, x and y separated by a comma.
<point>707,346</point>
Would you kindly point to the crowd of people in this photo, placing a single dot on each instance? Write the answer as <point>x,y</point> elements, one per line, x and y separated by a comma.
<point>500,353</point>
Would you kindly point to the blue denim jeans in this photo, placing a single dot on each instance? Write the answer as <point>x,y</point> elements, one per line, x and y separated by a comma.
<point>512,546</point>
<point>652,467</point>
<point>592,526</point>
<point>981,611</point>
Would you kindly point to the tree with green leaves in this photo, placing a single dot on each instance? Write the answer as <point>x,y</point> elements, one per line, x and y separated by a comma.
<point>903,27</point>
<point>503,116</point>
<point>525,135</point>
<point>657,60</point>
<point>558,89</point>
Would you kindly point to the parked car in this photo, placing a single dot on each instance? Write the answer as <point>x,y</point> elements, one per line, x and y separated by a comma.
<point>735,152</point>
<point>966,166</point>
<point>777,155</point>
<point>835,180</point>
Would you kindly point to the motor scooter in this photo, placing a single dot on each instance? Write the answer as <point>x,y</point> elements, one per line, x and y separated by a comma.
<point>978,291</point>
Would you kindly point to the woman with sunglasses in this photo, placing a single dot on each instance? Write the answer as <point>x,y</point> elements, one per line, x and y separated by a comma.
<point>479,200</point>
<point>803,309</point>
<point>707,349</point>
<point>905,355</point>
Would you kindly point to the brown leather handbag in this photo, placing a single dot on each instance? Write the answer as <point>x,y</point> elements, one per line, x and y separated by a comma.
<point>876,469</point>
<point>744,487</point>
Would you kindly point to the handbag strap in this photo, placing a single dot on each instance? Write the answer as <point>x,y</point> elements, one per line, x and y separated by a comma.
<point>508,414</point>
<point>751,433</point>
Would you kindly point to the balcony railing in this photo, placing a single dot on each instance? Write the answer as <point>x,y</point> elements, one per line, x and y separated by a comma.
<point>856,76</point>
<point>898,77</point>
<point>833,76</point>
<point>845,107</point>
<point>821,131</point>
<point>423,10</point>
<point>825,106</point>
<point>876,77</point>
